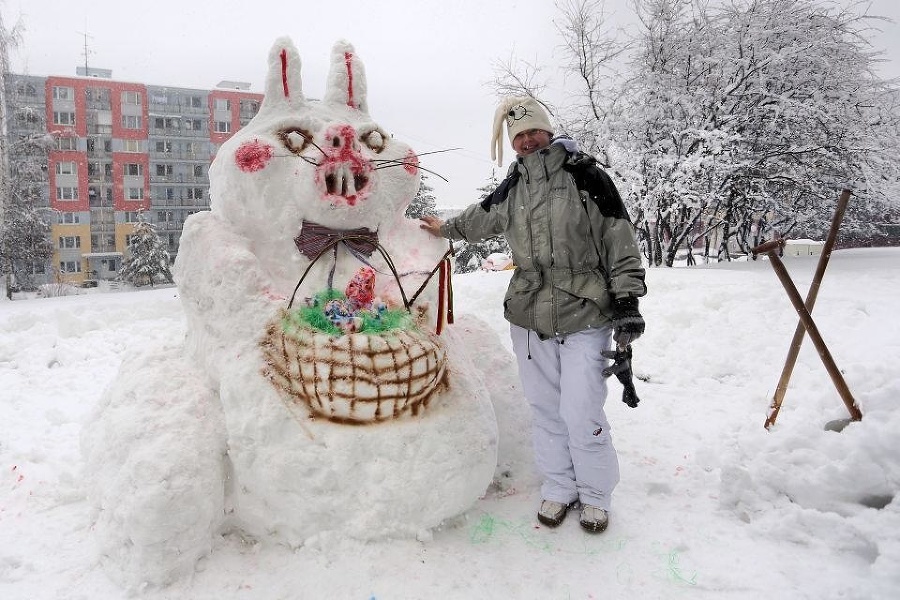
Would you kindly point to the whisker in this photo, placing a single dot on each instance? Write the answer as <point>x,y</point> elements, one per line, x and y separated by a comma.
<point>399,163</point>
<point>437,151</point>
<point>381,163</point>
<point>416,155</point>
<point>292,155</point>
<point>315,145</point>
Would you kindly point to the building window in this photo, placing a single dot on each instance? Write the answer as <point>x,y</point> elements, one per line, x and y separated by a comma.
<point>164,147</point>
<point>71,241</point>
<point>63,118</point>
<point>97,94</point>
<point>132,217</point>
<point>66,167</point>
<point>170,193</point>
<point>28,116</point>
<point>26,89</point>
<point>163,170</point>
<point>195,193</point>
<point>190,148</point>
<point>198,170</point>
<point>63,93</point>
<point>66,193</point>
<point>223,104</point>
<point>223,126</point>
<point>135,193</point>
<point>68,218</point>
<point>70,266</point>
<point>35,267</point>
<point>66,143</point>
<point>196,102</point>
<point>134,169</point>
<point>131,98</point>
<point>132,121</point>
<point>132,146</point>
<point>193,124</point>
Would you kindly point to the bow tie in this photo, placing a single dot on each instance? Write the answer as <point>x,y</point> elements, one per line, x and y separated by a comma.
<point>315,238</point>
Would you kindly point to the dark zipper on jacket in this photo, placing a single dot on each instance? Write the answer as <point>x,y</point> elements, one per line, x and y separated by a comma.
<point>554,300</point>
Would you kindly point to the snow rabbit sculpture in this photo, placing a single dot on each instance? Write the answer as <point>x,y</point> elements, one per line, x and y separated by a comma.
<point>199,438</point>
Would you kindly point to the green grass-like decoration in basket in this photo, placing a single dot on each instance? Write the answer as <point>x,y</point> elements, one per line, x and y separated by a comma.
<point>373,321</point>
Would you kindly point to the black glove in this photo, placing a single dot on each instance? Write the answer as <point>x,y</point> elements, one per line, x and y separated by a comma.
<point>627,322</point>
<point>621,368</point>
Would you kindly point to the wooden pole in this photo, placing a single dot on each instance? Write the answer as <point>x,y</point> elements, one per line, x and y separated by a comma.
<point>806,320</point>
<point>797,341</point>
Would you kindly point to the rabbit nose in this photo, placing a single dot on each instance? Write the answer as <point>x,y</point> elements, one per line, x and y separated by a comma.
<point>344,141</point>
<point>344,174</point>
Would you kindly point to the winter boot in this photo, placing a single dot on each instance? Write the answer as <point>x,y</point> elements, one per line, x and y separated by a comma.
<point>593,519</point>
<point>553,513</point>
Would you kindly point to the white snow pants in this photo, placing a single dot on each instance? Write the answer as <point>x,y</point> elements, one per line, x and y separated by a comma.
<point>562,381</point>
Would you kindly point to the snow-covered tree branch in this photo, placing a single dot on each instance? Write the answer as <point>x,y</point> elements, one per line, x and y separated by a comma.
<point>736,122</point>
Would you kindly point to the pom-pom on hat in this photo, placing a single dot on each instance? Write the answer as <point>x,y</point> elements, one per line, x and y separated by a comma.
<point>520,114</point>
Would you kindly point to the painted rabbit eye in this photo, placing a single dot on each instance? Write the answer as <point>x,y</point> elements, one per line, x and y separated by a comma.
<point>295,139</point>
<point>375,140</point>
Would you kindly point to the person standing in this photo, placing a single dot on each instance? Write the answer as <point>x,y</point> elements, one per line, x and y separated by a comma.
<point>575,289</point>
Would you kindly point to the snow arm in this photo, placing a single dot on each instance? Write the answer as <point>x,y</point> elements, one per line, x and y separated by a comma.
<point>226,293</point>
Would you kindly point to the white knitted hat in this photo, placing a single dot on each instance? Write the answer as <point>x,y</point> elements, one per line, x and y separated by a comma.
<point>520,114</point>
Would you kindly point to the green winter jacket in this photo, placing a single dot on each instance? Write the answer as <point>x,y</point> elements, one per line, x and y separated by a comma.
<point>574,250</point>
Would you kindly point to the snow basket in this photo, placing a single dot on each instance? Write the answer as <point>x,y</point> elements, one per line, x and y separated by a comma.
<point>355,378</point>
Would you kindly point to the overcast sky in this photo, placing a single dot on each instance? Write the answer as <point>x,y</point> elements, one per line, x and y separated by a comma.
<point>428,62</point>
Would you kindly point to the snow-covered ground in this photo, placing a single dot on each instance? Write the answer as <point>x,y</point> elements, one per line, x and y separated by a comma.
<point>711,505</point>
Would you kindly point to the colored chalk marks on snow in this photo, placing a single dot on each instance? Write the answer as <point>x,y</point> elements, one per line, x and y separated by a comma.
<point>490,529</point>
<point>673,571</point>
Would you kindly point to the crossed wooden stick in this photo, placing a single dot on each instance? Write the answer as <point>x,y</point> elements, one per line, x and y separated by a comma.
<point>806,324</point>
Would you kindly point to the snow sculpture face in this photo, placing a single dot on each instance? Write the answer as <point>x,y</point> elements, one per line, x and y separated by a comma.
<point>322,161</point>
<point>299,170</point>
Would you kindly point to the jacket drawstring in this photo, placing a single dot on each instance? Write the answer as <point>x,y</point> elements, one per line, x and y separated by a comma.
<point>522,167</point>
<point>528,342</point>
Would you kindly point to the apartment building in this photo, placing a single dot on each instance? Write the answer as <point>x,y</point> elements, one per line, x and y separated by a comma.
<point>121,152</point>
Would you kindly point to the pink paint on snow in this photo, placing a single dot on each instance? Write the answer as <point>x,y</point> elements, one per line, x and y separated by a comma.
<point>344,175</point>
<point>348,60</point>
<point>253,156</point>
<point>411,162</point>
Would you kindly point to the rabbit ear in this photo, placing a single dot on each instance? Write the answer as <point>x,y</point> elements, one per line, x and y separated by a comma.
<point>346,78</point>
<point>284,87</point>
